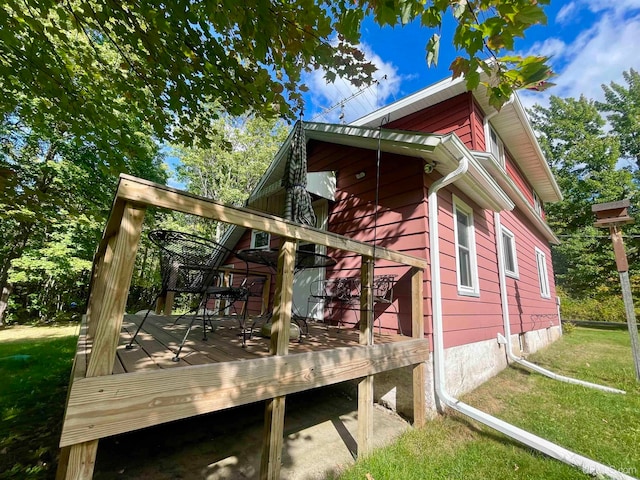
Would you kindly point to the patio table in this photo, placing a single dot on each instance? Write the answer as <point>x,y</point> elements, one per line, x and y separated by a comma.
<point>305,259</point>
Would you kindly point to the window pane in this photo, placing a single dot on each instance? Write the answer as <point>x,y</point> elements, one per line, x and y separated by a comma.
<point>463,228</point>
<point>465,267</point>
<point>509,257</point>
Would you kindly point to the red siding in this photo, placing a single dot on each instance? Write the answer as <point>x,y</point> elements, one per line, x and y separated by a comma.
<point>470,319</point>
<point>514,172</point>
<point>401,215</point>
<point>477,127</point>
<point>527,309</point>
<point>450,116</point>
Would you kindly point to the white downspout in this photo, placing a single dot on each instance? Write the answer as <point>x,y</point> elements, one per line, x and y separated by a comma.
<point>506,340</point>
<point>442,397</point>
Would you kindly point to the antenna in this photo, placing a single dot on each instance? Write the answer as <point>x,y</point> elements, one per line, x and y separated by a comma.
<point>342,102</point>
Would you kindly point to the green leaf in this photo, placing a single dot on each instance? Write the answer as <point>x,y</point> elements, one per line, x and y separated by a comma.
<point>433,49</point>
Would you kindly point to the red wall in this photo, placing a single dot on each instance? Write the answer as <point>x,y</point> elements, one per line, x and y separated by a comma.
<point>451,116</point>
<point>401,215</point>
<point>402,224</point>
<point>469,319</point>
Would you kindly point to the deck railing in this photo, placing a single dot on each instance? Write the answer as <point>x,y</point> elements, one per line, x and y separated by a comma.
<point>101,404</point>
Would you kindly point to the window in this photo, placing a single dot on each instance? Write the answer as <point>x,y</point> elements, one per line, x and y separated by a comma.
<point>260,239</point>
<point>543,277</point>
<point>509,253</point>
<point>466,263</point>
<point>537,204</point>
<point>495,145</point>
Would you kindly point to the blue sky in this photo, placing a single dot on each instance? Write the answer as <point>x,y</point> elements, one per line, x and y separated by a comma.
<point>590,42</point>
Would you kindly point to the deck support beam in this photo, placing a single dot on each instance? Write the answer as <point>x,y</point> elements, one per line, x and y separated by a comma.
<point>280,330</point>
<point>417,329</point>
<point>365,386</point>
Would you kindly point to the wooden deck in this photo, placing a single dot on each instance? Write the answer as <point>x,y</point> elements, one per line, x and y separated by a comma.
<point>160,337</point>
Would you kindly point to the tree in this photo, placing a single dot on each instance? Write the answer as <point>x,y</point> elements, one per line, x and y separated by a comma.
<point>622,106</point>
<point>228,170</point>
<point>94,62</point>
<point>55,195</point>
<point>583,158</point>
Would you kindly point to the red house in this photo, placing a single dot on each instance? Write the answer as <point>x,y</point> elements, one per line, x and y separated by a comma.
<point>441,175</point>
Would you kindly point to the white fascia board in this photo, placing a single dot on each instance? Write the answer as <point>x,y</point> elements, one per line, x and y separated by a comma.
<point>431,95</point>
<point>501,176</point>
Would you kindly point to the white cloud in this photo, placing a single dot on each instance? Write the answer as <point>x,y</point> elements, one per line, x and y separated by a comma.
<point>597,56</point>
<point>566,12</point>
<point>349,100</point>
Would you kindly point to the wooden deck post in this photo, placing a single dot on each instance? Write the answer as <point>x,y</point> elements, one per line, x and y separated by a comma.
<point>97,289</point>
<point>117,278</point>
<point>365,386</point>
<point>280,330</point>
<point>417,329</point>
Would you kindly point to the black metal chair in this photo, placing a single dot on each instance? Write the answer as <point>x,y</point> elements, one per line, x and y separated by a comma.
<point>191,264</point>
<point>334,294</point>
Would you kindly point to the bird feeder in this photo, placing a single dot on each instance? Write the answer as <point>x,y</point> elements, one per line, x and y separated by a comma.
<point>613,215</point>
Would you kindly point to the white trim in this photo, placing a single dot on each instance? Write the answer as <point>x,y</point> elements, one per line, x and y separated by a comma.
<point>543,274</point>
<point>509,240</point>
<point>470,249</point>
<point>490,132</point>
<point>254,234</point>
<point>537,203</point>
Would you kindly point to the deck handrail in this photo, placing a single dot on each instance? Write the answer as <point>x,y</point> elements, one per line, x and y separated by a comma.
<point>149,194</point>
<point>110,281</point>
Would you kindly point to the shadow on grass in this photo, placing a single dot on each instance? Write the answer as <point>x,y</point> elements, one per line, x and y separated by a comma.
<point>34,377</point>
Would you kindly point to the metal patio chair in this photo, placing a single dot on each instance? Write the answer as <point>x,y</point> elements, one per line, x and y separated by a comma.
<point>335,294</point>
<point>191,264</point>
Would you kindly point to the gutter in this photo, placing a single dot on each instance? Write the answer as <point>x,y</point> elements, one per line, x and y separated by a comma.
<point>443,398</point>
<point>506,339</point>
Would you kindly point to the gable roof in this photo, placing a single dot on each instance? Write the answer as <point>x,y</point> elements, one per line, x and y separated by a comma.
<point>511,124</point>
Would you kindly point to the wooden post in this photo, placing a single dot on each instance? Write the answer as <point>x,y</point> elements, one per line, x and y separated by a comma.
<point>623,271</point>
<point>613,215</point>
<point>117,278</point>
<point>97,289</point>
<point>280,330</point>
<point>365,386</point>
<point>417,329</point>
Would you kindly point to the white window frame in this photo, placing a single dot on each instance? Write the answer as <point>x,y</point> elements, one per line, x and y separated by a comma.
<point>508,238</point>
<point>498,153</point>
<point>255,235</point>
<point>543,274</point>
<point>537,204</point>
<point>474,288</point>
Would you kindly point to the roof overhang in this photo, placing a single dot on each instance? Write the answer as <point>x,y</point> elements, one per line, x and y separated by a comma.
<point>511,123</point>
<point>491,165</point>
<point>444,152</point>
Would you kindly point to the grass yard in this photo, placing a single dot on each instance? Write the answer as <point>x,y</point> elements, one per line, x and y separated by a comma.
<point>35,363</point>
<point>602,426</point>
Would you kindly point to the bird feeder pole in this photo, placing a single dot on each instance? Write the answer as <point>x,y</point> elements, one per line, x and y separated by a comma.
<point>613,215</point>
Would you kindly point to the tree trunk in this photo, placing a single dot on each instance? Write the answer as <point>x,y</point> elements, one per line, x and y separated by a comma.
<point>4,301</point>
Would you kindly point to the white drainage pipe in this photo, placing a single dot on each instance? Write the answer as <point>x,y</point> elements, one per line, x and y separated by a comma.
<point>506,339</point>
<point>587,465</point>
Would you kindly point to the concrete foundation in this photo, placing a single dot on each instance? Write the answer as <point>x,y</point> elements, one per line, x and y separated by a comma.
<point>466,368</point>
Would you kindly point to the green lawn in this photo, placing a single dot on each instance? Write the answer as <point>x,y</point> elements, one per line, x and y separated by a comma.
<point>602,426</point>
<point>35,364</point>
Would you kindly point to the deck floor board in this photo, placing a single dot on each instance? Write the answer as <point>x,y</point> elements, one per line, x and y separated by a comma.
<point>160,337</point>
